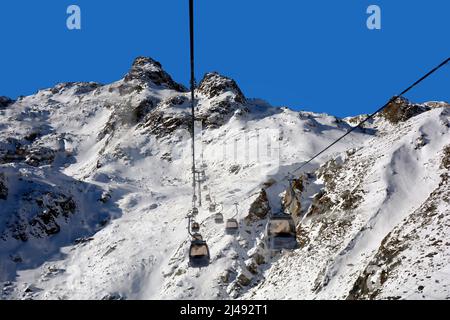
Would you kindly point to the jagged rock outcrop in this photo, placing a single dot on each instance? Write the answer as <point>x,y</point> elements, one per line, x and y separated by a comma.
<point>39,156</point>
<point>161,124</point>
<point>77,88</point>
<point>213,85</point>
<point>226,97</point>
<point>327,199</point>
<point>148,71</point>
<point>291,199</point>
<point>40,214</point>
<point>15,150</point>
<point>127,113</point>
<point>162,120</point>
<point>259,209</point>
<point>321,204</point>
<point>401,110</point>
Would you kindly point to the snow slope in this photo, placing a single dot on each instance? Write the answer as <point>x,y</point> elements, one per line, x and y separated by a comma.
<point>95,187</point>
<point>391,179</point>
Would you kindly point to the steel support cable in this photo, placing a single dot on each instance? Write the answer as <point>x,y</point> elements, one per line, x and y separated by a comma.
<point>192,81</point>
<point>359,125</point>
<point>373,114</point>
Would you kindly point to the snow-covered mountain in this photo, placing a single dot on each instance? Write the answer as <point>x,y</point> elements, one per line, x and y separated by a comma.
<point>95,186</point>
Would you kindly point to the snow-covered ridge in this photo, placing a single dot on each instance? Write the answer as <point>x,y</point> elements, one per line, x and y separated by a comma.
<point>95,187</point>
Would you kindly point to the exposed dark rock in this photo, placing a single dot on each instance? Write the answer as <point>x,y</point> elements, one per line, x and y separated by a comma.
<point>167,157</point>
<point>80,88</point>
<point>147,70</point>
<point>321,204</point>
<point>302,236</point>
<point>127,114</point>
<point>446,158</point>
<point>291,200</point>
<point>162,124</point>
<point>220,110</point>
<point>213,85</point>
<point>144,107</point>
<point>44,214</point>
<point>370,282</point>
<point>228,276</point>
<point>83,240</point>
<point>244,279</point>
<point>401,110</point>
<point>38,156</point>
<point>234,169</point>
<point>175,101</point>
<point>350,200</point>
<point>258,258</point>
<point>259,209</point>
<point>31,137</point>
<point>328,173</point>
<point>12,150</point>
<point>5,102</point>
<point>252,266</point>
<point>3,187</point>
<point>389,259</point>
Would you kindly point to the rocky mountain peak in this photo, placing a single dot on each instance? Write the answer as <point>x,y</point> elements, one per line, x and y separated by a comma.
<point>401,109</point>
<point>213,85</point>
<point>146,70</point>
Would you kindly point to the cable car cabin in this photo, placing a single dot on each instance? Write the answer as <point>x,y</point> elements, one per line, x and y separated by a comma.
<point>218,218</point>
<point>197,236</point>
<point>198,254</point>
<point>231,227</point>
<point>212,207</point>
<point>195,227</point>
<point>208,198</point>
<point>281,233</point>
<point>194,211</point>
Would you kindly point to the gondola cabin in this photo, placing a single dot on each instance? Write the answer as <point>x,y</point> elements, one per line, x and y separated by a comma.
<point>231,227</point>
<point>280,233</point>
<point>218,217</point>
<point>212,207</point>
<point>199,254</point>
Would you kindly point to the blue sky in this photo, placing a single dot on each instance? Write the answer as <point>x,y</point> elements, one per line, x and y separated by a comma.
<point>310,55</point>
